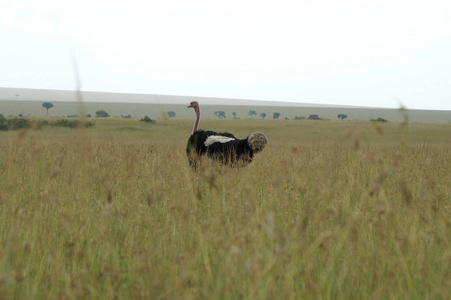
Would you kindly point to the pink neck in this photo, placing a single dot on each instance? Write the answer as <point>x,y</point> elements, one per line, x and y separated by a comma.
<point>196,124</point>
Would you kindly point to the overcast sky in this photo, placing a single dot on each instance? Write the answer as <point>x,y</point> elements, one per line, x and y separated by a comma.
<point>352,52</point>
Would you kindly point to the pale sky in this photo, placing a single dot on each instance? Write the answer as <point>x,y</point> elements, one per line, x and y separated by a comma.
<point>350,52</point>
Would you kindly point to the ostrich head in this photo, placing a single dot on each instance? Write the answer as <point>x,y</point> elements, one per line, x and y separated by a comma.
<point>194,105</point>
<point>257,141</point>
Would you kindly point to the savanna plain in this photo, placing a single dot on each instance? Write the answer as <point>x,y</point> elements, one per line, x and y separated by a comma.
<point>329,210</point>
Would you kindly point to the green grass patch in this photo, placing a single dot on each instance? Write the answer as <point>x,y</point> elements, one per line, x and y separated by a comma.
<point>129,128</point>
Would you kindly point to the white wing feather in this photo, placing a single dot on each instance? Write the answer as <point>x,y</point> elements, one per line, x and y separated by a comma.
<point>217,139</point>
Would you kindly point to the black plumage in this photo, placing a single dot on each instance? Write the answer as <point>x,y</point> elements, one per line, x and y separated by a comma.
<point>231,151</point>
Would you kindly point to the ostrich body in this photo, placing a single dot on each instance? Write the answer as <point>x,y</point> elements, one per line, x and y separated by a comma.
<point>224,146</point>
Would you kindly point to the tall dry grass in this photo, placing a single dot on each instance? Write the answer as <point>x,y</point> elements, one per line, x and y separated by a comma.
<point>328,210</point>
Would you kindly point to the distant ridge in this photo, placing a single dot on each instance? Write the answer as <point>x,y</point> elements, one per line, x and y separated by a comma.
<point>23,94</point>
<point>28,102</point>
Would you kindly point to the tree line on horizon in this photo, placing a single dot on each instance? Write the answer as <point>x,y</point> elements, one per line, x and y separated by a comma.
<point>219,114</point>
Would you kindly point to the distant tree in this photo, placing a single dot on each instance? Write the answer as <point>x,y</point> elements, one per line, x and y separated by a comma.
<point>2,116</point>
<point>126,116</point>
<point>299,118</point>
<point>342,116</point>
<point>20,115</point>
<point>220,114</point>
<point>88,116</point>
<point>102,114</point>
<point>263,115</point>
<point>276,115</point>
<point>47,105</point>
<point>171,114</point>
<point>252,113</point>
<point>146,119</point>
<point>313,117</point>
<point>379,120</point>
<point>234,115</point>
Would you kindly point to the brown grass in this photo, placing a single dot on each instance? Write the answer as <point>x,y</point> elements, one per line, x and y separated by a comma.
<point>328,210</point>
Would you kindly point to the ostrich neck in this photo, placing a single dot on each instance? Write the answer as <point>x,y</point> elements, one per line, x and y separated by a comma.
<point>196,124</point>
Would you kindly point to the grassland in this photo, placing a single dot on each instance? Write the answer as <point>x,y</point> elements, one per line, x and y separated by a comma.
<point>339,210</point>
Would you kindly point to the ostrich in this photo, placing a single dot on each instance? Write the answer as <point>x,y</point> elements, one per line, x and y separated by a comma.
<point>224,147</point>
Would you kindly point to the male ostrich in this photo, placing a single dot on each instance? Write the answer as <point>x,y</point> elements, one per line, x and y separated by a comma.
<point>223,147</point>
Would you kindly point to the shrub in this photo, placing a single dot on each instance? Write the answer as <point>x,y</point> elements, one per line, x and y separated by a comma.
<point>18,123</point>
<point>147,120</point>
<point>379,120</point>
<point>65,123</point>
<point>3,124</point>
<point>38,124</point>
<point>342,116</point>
<point>220,114</point>
<point>70,123</point>
<point>102,114</point>
<point>89,124</point>
<point>314,117</point>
